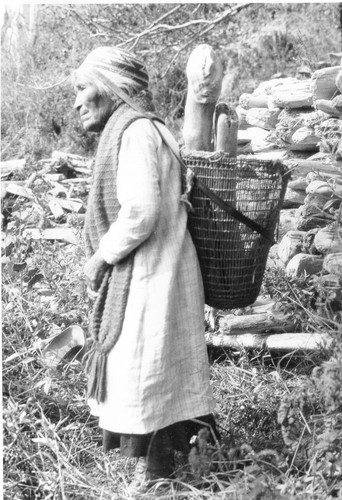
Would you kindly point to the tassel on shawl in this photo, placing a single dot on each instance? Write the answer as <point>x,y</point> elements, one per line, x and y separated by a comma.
<point>95,360</point>
<point>95,367</point>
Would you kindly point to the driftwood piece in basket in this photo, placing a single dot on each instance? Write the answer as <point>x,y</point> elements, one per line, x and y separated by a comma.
<point>204,72</point>
<point>226,129</point>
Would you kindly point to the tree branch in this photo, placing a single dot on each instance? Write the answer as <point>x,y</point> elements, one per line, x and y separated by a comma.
<point>226,14</point>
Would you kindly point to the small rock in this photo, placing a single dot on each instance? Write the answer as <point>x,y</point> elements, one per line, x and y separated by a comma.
<point>333,263</point>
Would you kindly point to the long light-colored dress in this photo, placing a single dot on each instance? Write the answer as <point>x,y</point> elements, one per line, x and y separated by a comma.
<point>158,371</point>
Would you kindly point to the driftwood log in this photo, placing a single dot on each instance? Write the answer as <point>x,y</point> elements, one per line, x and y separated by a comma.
<point>226,129</point>
<point>204,72</point>
<point>254,323</point>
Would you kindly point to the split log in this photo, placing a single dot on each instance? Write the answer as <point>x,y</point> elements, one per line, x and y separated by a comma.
<point>275,321</point>
<point>324,188</point>
<point>301,168</point>
<point>333,263</point>
<point>269,85</point>
<point>304,139</point>
<point>263,117</point>
<point>287,342</point>
<point>293,96</point>
<point>328,107</point>
<point>323,82</point>
<point>303,263</point>
<point>249,101</point>
<point>298,341</point>
<point>290,245</point>
<point>204,72</point>
<point>240,342</point>
<point>329,239</point>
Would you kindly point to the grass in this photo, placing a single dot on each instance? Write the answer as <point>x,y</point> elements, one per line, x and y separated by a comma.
<point>279,421</point>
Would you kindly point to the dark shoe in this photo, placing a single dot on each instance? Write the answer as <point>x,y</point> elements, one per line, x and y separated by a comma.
<point>144,480</point>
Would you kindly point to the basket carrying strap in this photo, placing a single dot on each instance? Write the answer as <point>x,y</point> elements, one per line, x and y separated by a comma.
<point>224,205</point>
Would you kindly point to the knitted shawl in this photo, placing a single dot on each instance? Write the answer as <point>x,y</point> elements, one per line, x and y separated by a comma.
<point>103,207</point>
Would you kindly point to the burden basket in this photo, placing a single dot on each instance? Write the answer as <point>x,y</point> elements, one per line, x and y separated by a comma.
<point>233,256</point>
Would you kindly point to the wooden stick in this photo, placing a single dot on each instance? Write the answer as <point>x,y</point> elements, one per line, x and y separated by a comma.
<point>255,323</point>
<point>280,342</point>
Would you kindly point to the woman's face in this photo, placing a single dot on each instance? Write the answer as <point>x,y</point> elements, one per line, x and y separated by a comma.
<point>94,109</point>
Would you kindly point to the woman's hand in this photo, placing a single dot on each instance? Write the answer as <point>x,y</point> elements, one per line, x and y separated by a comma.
<point>94,270</point>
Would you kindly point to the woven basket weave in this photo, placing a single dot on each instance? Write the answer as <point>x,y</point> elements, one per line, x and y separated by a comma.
<point>232,256</point>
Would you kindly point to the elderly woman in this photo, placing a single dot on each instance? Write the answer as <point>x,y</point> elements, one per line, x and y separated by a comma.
<point>147,367</point>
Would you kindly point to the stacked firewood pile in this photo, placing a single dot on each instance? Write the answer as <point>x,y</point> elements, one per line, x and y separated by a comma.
<point>300,122</point>
<point>300,115</point>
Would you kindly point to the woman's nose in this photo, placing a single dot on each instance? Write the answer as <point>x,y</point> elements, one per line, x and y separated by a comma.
<point>77,103</point>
